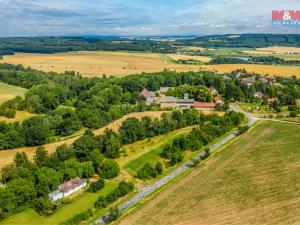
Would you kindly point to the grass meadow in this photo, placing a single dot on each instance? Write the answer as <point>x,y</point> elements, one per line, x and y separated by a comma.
<point>8,92</point>
<point>76,205</point>
<point>253,180</point>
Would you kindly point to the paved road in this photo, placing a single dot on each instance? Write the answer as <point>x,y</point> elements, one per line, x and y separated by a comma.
<point>147,190</point>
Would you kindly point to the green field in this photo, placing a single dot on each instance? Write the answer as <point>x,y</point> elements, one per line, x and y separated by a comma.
<point>263,111</point>
<point>254,180</point>
<point>149,150</point>
<point>8,92</point>
<point>77,205</point>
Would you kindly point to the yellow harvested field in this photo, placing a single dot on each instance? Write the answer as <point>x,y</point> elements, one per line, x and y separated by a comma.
<point>6,97</point>
<point>284,71</point>
<point>20,116</point>
<point>189,57</point>
<point>277,50</point>
<point>191,48</point>
<point>91,64</point>
<point>7,156</point>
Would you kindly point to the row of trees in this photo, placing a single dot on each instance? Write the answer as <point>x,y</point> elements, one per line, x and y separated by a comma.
<point>149,172</point>
<point>199,137</point>
<point>123,189</point>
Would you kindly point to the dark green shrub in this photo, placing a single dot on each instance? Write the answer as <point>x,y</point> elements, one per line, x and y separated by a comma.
<point>96,186</point>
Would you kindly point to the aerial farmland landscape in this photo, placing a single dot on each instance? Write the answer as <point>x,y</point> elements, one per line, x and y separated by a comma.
<point>139,112</point>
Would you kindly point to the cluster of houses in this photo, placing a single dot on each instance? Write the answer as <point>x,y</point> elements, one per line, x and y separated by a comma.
<point>173,102</point>
<point>67,188</point>
<point>252,80</point>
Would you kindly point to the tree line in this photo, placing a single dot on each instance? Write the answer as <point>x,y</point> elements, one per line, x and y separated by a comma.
<point>67,103</point>
<point>210,128</point>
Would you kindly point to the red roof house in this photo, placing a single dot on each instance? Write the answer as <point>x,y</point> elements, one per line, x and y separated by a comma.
<point>218,100</point>
<point>248,81</point>
<point>204,105</point>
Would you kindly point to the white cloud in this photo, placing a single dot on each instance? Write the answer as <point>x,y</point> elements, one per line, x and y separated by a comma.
<point>139,17</point>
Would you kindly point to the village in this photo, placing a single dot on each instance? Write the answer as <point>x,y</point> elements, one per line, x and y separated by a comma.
<point>164,101</point>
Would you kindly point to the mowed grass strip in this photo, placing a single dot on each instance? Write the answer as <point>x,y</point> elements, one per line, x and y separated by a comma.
<point>254,180</point>
<point>148,150</point>
<point>8,92</point>
<point>76,205</point>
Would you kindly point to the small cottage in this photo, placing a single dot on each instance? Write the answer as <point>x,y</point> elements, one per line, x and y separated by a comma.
<point>147,96</point>
<point>67,188</point>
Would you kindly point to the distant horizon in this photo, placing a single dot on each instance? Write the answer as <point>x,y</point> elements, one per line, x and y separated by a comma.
<point>144,36</point>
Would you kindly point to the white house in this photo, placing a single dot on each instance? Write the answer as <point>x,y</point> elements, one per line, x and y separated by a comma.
<point>55,195</point>
<point>67,188</point>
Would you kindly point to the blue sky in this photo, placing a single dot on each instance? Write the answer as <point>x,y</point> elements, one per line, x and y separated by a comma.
<point>140,17</point>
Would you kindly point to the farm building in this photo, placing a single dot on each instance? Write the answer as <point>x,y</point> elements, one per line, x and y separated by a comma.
<point>204,105</point>
<point>218,100</point>
<point>271,78</point>
<point>213,91</point>
<point>264,80</point>
<point>67,188</point>
<point>147,96</point>
<point>163,90</point>
<point>168,101</point>
<point>248,81</point>
<point>258,94</point>
<point>184,103</point>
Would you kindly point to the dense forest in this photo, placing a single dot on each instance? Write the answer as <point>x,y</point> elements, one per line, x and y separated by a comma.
<point>64,44</point>
<point>243,40</point>
<point>265,60</point>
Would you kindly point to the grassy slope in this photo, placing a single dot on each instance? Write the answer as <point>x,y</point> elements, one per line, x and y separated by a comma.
<point>149,150</point>
<point>252,181</point>
<point>8,92</point>
<point>78,205</point>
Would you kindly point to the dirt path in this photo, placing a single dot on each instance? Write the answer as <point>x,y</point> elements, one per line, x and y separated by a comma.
<point>7,156</point>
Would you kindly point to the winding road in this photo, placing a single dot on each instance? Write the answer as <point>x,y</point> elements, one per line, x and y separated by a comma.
<point>147,190</point>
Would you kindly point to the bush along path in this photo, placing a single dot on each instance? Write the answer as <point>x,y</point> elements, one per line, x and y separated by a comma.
<point>147,190</point>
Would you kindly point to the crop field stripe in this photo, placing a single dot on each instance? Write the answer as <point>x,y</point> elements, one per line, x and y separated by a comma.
<point>189,192</point>
<point>232,199</point>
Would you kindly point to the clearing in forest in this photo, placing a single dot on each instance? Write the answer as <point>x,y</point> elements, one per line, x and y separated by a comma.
<point>254,180</point>
<point>8,92</point>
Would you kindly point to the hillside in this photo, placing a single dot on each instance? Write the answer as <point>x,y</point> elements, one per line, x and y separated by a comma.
<point>244,40</point>
<point>65,44</point>
<point>259,188</point>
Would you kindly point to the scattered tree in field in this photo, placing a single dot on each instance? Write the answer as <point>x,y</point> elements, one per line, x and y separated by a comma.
<point>109,169</point>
